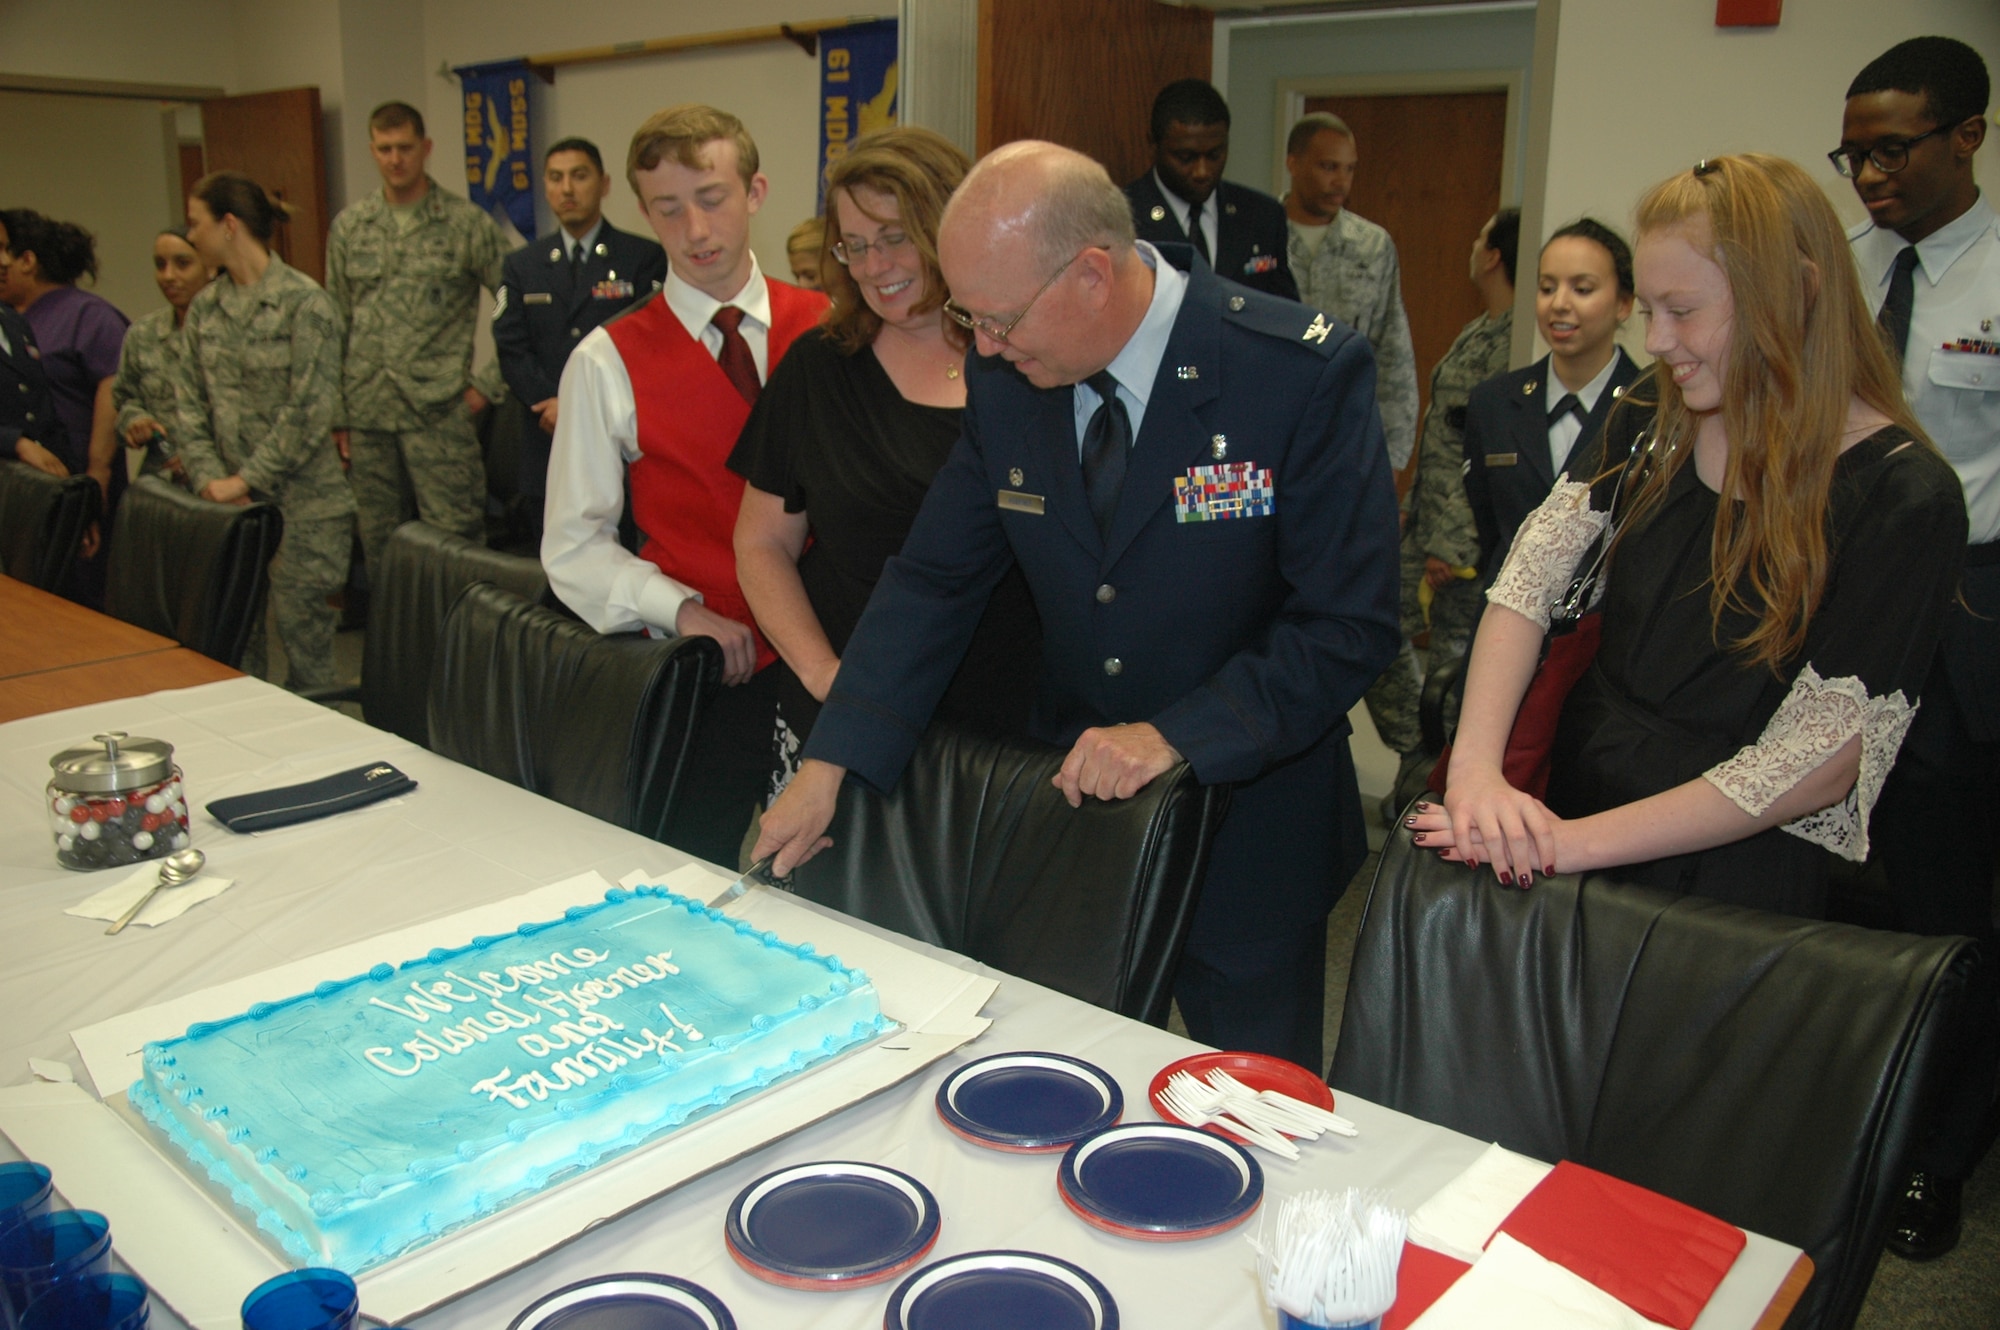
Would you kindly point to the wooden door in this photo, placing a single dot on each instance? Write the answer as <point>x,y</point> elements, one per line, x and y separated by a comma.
<point>277,139</point>
<point>1428,171</point>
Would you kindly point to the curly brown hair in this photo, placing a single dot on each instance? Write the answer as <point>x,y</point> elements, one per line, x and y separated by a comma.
<point>919,169</point>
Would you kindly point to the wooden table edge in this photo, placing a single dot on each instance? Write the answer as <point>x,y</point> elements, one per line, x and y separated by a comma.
<point>1788,1294</point>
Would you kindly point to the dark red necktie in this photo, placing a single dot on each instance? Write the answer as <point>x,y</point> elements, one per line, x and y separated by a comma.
<point>736,361</point>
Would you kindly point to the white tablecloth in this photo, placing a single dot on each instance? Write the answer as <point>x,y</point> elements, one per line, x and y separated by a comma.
<point>463,839</point>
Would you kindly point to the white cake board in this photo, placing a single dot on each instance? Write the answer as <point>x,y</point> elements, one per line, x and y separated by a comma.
<point>199,1257</point>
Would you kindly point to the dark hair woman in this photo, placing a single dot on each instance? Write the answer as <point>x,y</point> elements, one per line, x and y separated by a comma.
<point>257,389</point>
<point>846,438</point>
<point>80,334</point>
<point>143,392</point>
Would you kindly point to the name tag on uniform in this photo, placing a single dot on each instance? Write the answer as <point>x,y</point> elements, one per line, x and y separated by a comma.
<point>1016,502</point>
<point>1219,493</point>
<point>620,290</point>
<point>537,298</point>
<point>1502,459</point>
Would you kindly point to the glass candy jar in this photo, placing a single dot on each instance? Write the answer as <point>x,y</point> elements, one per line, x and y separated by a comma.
<point>116,801</point>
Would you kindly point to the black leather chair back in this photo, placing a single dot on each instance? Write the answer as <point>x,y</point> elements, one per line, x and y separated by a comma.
<point>190,569</point>
<point>1768,1070</point>
<point>423,571</point>
<point>42,521</point>
<point>598,723</point>
<point>976,851</point>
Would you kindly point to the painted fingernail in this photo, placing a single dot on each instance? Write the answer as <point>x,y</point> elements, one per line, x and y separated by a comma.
<point>1417,839</point>
<point>1410,821</point>
<point>1527,880</point>
<point>1548,870</point>
<point>1506,879</point>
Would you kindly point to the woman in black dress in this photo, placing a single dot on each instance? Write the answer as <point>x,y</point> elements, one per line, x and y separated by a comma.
<point>845,440</point>
<point>1761,651</point>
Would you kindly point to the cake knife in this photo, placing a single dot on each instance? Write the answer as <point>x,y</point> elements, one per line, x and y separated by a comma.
<point>759,871</point>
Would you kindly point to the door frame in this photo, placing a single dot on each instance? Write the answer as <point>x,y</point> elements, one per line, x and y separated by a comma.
<point>1292,95</point>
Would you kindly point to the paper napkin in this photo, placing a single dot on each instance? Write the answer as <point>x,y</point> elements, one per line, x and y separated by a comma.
<point>1649,1251</point>
<point>168,903</point>
<point>1466,1211</point>
<point>1511,1288</point>
<point>1421,1279</point>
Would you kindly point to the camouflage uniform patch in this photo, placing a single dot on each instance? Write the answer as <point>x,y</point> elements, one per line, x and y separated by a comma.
<point>1354,276</point>
<point>254,396</point>
<point>409,301</point>
<point>1440,526</point>
<point>145,383</point>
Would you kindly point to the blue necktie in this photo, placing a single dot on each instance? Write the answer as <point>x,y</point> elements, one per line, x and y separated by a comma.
<point>1106,440</point>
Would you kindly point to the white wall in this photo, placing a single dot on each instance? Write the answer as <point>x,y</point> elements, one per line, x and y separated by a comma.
<point>124,186</point>
<point>1645,90</point>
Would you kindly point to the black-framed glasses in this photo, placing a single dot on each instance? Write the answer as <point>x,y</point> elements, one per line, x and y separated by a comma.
<point>997,332</point>
<point>1889,156</point>
<point>889,244</point>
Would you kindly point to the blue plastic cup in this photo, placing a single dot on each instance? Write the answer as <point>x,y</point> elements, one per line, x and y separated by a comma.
<point>94,1302</point>
<point>25,1191</point>
<point>64,1244</point>
<point>310,1299</point>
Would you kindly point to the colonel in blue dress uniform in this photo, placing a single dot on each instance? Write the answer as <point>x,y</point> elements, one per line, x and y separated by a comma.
<point>1210,536</point>
<point>559,288</point>
<point>27,409</point>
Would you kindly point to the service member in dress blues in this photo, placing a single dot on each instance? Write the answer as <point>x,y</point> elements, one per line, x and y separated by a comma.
<point>1192,478</point>
<point>559,288</point>
<point>29,429</point>
<point>1929,258</point>
<point>1184,199</point>
<point>1525,428</point>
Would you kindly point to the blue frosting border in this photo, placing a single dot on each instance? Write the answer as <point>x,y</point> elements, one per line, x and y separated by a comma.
<point>590,1154</point>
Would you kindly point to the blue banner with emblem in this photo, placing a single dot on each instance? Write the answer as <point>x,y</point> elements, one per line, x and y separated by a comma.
<point>499,164</point>
<point>857,88</point>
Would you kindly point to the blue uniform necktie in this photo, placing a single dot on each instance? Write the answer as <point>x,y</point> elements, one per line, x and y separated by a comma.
<point>1894,320</point>
<point>1106,441</point>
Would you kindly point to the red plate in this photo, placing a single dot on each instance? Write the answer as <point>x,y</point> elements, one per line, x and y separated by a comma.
<point>1259,1071</point>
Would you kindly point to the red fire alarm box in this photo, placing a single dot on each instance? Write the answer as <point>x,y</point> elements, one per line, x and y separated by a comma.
<point>1747,13</point>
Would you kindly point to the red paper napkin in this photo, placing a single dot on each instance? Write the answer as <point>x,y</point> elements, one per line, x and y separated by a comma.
<point>1421,1279</point>
<point>1658,1257</point>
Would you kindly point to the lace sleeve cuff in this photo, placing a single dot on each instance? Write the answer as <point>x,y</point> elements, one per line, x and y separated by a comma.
<point>1818,717</point>
<point>1546,551</point>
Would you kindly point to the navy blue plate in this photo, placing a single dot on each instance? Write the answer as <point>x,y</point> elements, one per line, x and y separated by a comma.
<point>627,1302</point>
<point>1001,1290</point>
<point>831,1225</point>
<point>1160,1181</point>
<point>1029,1102</point>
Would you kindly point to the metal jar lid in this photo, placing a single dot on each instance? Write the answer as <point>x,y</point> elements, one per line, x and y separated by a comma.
<point>112,763</point>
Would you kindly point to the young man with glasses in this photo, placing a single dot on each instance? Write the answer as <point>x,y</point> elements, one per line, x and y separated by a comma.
<point>1192,478</point>
<point>656,398</point>
<point>1930,252</point>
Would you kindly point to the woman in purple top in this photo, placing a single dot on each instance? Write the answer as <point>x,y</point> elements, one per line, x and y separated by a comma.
<point>80,333</point>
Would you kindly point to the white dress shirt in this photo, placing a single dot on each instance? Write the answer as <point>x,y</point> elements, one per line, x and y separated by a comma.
<point>1138,363</point>
<point>1211,213</point>
<point>1951,366</point>
<point>597,437</point>
<point>1564,433</point>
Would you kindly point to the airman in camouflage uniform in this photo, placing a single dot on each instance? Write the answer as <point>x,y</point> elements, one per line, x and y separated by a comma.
<point>1353,274</point>
<point>405,283</point>
<point>255,394</point>
<point>144,388</point>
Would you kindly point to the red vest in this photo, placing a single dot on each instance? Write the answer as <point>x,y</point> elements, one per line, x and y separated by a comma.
<point>684,496</point>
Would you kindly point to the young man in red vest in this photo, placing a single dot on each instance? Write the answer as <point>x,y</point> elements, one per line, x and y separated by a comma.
<point>657,396</point>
